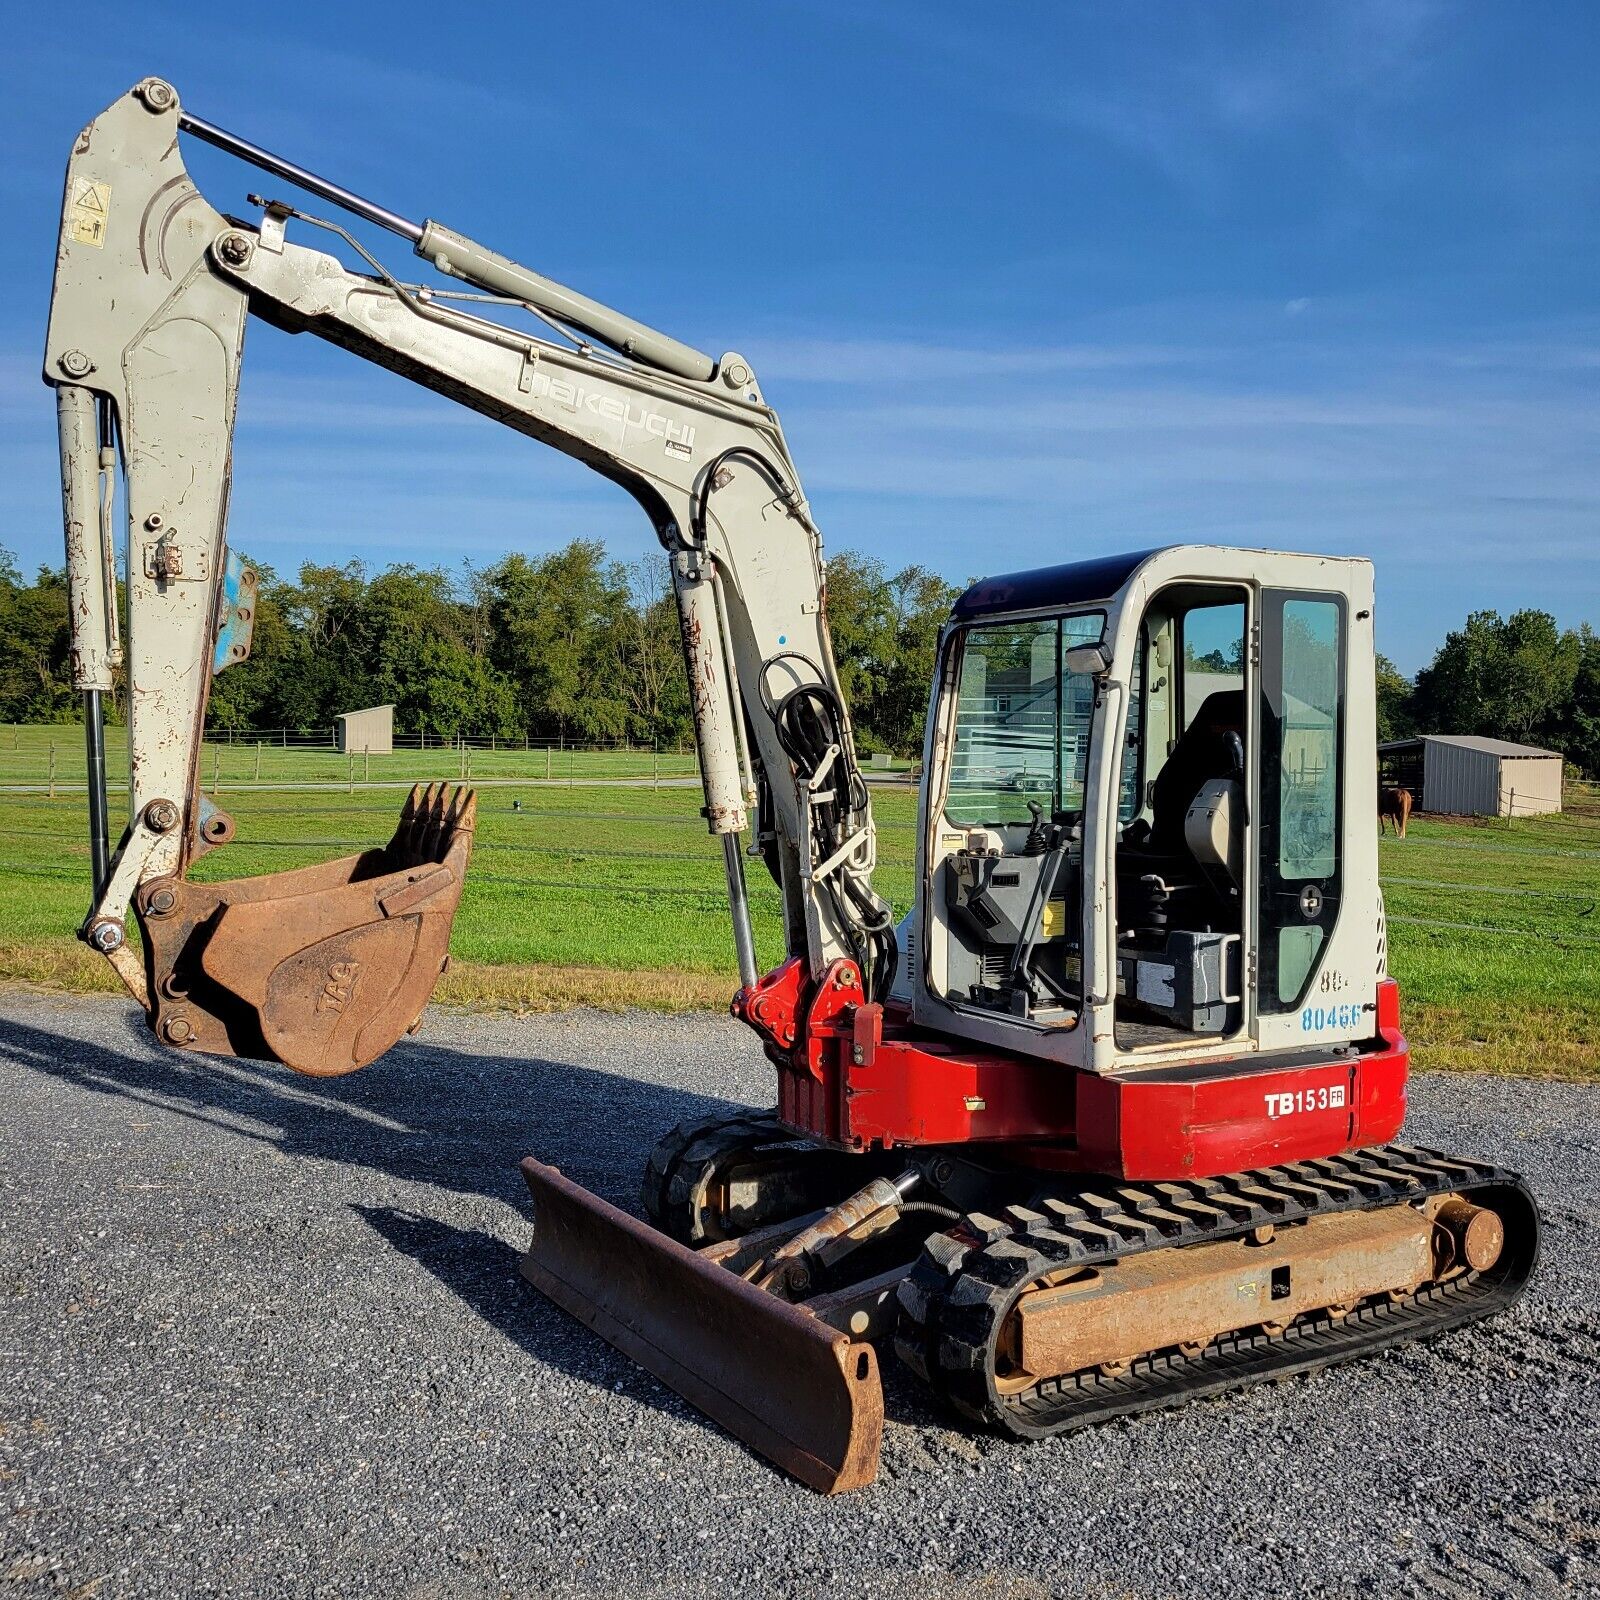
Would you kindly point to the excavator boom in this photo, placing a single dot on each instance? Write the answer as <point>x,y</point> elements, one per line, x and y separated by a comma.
<point>153,292</point>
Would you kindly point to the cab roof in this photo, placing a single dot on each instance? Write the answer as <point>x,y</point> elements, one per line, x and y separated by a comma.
<point>1081,583</point>
<point>1046,588</point>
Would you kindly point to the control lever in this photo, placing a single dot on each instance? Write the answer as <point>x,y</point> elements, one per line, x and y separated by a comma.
<point>1019,982</point>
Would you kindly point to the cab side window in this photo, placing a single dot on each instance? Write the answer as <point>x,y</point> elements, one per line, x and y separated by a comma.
<point>1213,655</point>
<point>1302,763</point>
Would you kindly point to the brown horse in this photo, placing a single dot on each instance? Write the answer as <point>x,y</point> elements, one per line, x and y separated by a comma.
<point>1394,805</point>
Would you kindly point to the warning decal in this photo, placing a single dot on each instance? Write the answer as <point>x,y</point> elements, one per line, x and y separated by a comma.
<point>86,215</point>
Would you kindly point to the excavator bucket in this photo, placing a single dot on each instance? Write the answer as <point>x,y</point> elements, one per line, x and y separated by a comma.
<point>775,1376</point>
<point>322,968</point>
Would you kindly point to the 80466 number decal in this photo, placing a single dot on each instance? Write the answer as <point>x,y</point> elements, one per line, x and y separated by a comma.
<point>1293,1102</point>
<point>1315,1019</point>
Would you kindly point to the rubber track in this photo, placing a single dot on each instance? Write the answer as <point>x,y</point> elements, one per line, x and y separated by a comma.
<point>674,1176</point>
<point>958,1295</point>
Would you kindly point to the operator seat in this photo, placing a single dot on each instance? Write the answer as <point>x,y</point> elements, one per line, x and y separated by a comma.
<point>1160,884</point>
<point>1203,751</point>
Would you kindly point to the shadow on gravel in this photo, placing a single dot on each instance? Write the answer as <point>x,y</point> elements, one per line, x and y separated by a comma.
<point>424,1114</point>
<point>481,1271</point>
<point>432,1115</point>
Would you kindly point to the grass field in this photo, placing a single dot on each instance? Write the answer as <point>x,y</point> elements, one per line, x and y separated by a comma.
<point>611,894</point>
<point>31,755</point>
<point>35,757</point>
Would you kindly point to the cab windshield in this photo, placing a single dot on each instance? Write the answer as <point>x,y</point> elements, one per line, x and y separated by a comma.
<point>1022,721</point>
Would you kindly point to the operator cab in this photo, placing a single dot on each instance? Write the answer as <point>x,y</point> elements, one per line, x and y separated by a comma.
<point>1174,726</point>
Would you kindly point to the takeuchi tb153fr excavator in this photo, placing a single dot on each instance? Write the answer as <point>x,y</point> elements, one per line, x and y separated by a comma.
<point>1102,1122</point>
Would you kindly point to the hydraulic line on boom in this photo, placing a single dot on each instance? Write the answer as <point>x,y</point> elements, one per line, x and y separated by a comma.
<point>463,258</point>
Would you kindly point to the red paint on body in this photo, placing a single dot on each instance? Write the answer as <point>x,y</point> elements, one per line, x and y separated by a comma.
<point>861,1077</point>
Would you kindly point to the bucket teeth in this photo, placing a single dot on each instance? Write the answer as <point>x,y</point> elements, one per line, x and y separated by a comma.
<point>431,822</point>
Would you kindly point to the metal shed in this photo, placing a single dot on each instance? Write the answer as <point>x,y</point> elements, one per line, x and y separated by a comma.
<point>1463,774</point>
<point>366,732</point>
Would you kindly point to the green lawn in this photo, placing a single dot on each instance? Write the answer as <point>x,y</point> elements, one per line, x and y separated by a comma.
<point>29,754</point>
<point>1514,984</point>
<point>613,893</point>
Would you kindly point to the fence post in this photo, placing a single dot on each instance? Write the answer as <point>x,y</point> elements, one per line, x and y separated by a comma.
<point>258,761</point>
<point>1511,806</point>
<point>655,765</point>
<point>547,763</point>
<point>366,770</point>
<point>350,773</point>
<point>52,769</point>
<point>216,769</point>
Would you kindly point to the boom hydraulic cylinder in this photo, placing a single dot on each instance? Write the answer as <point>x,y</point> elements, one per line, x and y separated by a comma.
<point>475,263</point>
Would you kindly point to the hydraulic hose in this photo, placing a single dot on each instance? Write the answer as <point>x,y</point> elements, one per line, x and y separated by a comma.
<point>809,721</point>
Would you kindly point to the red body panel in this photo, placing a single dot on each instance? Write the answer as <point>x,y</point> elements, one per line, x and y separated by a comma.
<point>858,1077</point>
<point>1155,1128</point>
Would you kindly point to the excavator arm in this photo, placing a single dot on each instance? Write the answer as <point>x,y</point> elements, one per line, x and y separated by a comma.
<point>325,967</point>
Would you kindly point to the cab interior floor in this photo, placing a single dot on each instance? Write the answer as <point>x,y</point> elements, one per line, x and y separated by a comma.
<point>1138,1033</point>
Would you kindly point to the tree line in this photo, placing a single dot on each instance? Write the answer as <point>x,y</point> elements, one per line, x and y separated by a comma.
<point>1519,677</point>
<point>568,645</point>
<point>574,646</point>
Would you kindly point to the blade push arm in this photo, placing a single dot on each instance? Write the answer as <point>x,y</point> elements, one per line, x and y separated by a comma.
<point>151,297</point>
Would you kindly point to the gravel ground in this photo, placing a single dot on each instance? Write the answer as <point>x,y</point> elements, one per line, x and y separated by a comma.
<point>265,1336</point>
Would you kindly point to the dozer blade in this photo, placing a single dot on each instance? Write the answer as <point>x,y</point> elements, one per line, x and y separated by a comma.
<point>322,968</point>
<point>787,1384</point>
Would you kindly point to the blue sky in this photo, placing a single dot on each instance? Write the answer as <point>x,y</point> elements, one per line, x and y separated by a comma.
<point>1026,283</point>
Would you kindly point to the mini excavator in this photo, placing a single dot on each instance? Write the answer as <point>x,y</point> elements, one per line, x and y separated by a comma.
<point>1104,1122</point>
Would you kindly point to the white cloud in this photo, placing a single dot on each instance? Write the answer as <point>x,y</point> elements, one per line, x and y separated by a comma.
<point>1470,470</point>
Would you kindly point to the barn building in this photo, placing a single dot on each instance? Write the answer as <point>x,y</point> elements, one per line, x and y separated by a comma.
<point>367,732</point>
<point>1463,775</point>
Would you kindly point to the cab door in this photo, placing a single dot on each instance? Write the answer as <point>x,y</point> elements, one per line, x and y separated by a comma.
<point>1299,816</point>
